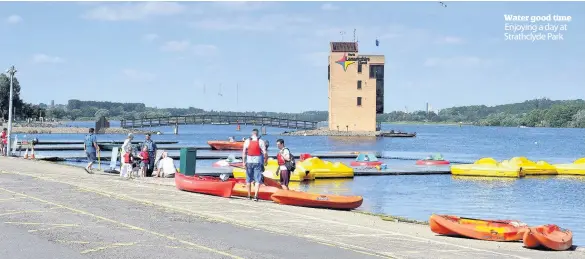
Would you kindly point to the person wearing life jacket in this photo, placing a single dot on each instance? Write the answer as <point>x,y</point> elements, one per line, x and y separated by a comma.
<point>282,158</point>
<point>254,158</point>
<point>126,157</point>
<point>3,144</point>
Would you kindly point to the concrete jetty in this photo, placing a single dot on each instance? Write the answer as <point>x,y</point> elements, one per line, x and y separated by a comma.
<point>60,211</point>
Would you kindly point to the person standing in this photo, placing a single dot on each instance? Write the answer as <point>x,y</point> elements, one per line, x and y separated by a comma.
<point>254,158</point>
<point>90,147</point>
<point>149,143</point>
<point>145,161</point>
<point>4,141</point>
<point>125,156</point>
<point>283,157</point>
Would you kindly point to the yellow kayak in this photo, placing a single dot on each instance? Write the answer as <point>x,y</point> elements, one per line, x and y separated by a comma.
<point>270,171</point>
<point>576,168</point>
<point>487,167</point>
<point>530,167</point>
<point>325,169</point>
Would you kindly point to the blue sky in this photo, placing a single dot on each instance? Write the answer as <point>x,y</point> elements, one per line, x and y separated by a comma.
<point>164,53</point>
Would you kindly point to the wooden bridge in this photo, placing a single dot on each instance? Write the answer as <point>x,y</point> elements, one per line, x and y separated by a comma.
<point>219,120</point>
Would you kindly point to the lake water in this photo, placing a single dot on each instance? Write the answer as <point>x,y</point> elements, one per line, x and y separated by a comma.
<point>535,200</point>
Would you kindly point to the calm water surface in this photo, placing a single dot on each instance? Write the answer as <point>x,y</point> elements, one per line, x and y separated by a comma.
<point>535,200</point>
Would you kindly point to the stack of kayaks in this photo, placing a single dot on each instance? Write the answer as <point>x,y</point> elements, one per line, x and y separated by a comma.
<point>548,236</point>
<point>324,169</point>
<point>576,168</point>
<point>487,167</point>
<point>529,167</point>
<point>270,171</point>
<point>295,198</point>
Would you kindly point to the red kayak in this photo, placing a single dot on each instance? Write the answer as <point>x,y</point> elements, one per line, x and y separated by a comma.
<point>225,145</point>
<point>206,185</point>
<point>295,198</point>
<point>267,181</point>
<point>265,192</point>
<point>432,162</point>
<point>366,163</point>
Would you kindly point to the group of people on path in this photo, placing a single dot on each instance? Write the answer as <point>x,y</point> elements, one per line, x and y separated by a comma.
<point>143,160</point>
<point>255,158</point>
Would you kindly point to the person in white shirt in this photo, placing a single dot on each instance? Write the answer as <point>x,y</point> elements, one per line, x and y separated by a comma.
<point>166,166</point>
<point>254,158</point>
<point>126,166</point>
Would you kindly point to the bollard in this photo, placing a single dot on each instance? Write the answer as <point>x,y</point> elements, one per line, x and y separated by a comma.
<point>188,161</point>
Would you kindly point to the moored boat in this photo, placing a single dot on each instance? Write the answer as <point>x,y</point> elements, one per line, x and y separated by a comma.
<point>487,167</point>
<point>492,230</point>
<point>230,161</point>
<point>205,185</point>
<point>549,236</point>
<point>324,169</point>
<point>225,145</point>
<point>576,168</point>
<point>436,159</point>
<point>530,167</point>
<point>366,160</point>
<point>270,172</point>
<point>303,199</point>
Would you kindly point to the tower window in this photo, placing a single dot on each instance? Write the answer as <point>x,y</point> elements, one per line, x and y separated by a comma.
<point>359,101</point>
<point>359,84</point>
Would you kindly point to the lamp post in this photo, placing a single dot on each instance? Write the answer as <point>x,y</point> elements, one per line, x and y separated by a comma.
<point>11,71</point>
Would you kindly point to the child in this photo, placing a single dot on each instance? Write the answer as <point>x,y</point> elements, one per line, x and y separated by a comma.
<point>145,159</point>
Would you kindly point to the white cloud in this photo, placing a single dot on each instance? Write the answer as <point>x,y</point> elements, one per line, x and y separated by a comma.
<point>150,37</point>
<point>13,19</point>
<point>136,75</point>
<point>133,11</point>
<point>43,58</point>
<point>176,46</point>
<point>268,22</point>
<point>187,46</point>
<point>460,61</point>
<point>329,7</point>
<point>450,40</point>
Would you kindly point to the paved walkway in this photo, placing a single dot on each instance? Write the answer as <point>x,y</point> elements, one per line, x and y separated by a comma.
<point>102,216</point>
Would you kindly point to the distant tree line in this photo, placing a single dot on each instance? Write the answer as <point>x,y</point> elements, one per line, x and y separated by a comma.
<point>532,113</point>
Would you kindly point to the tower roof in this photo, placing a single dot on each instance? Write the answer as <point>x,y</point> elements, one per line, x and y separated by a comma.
<point>344,47</point>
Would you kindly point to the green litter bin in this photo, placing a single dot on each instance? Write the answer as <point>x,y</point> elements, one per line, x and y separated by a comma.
<point>188,161</point>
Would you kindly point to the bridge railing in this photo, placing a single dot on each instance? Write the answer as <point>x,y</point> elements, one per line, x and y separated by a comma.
<point>218,119</point>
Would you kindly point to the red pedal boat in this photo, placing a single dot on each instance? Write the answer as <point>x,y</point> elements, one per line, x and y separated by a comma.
<point>206,185</point>
<point>366,160</point>
<point>432,162</point>
<point>225,145</point>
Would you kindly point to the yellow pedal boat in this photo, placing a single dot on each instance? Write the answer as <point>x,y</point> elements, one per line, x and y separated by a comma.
<point>325,169</point>
<point>270,171</point>
<point>487,167</point>
<point>576,168</point>
<point>530,167</point>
